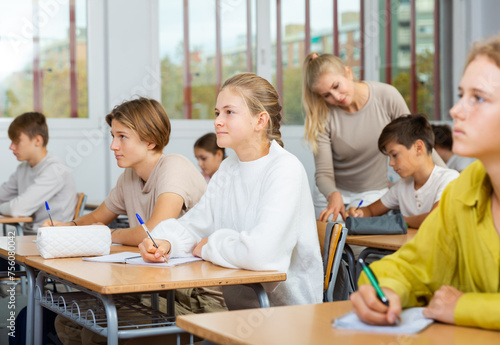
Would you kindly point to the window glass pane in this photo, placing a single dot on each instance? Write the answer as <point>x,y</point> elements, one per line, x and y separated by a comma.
<point>81,57</point>
<point>293,53</point>
<point>202,57</point>
<point>233,37</point>
<point>253,9</point>
<point>172,57</point>
<point>55,62</point>
<point>18,68</point>
<point>401,41</point>
<point>349,27</point>
<point>16,58</point>
<point>425,56</point>
<point>321,14</point>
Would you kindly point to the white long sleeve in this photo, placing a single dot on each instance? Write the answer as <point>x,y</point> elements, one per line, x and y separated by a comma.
<point>257,215</point>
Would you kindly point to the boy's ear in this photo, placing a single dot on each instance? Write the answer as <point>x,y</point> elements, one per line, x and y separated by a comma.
<point>38,141</point>
<point>262,120</point>
<point>420,147</point>
<point>151,146</point>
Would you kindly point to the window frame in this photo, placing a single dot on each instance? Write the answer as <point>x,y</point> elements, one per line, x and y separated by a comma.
<point>96,78</point>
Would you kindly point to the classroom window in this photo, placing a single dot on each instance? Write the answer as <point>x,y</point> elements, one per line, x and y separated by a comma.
<point>321,26</point>
<point>202,43</point>
<point>43,65</point>
<point>408,49</point>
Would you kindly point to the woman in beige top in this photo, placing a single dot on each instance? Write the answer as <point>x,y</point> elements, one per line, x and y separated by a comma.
<point>344,119</point>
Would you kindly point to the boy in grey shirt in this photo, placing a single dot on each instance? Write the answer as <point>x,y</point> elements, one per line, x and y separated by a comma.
<point>40,177</point>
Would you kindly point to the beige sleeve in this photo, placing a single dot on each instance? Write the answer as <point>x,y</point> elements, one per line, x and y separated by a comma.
<point>323,160</point>
<point>181,177</point>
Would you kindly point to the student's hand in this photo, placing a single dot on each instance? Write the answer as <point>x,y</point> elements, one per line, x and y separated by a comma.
<point>443,303</point>
<point>56,223</point>
<point>353,213</point>
<point>335,206</point>
<point>197,250</point>
<point>371,310</point>
<point>152,254</point>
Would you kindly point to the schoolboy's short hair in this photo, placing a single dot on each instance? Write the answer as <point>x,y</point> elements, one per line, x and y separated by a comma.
<point>406,130</point>
<point>443,136</point>
<point>32,124</point>
<point>145,116</point>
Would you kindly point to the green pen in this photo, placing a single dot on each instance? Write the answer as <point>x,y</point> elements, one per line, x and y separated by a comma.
<point>373,280</point>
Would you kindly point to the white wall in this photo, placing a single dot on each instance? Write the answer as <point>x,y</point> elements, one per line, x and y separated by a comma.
<point>123,61</point>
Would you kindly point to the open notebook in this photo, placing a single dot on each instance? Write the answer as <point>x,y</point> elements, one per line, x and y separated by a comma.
<point>412,321</point>
<point>135,258</point>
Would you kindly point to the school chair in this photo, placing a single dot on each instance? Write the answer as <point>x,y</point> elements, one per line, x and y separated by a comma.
<point>331,241</point>
<point>80,204</point>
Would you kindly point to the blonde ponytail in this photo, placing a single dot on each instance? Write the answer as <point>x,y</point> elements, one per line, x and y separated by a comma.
<point>315,107</point>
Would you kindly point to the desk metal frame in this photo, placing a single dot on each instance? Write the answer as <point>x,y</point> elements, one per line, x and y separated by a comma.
<point>101,314</point>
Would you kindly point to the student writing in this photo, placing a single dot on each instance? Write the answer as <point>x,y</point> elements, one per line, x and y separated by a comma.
<point>452,265</point>
<point>408,142</point>
<point>257,212</point>
<point>156,185</point>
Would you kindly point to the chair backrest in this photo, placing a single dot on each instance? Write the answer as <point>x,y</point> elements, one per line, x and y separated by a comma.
<point>80,204</point>
<point>332,240</point>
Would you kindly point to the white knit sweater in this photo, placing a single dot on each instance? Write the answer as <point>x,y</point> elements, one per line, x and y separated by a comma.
<point>256,215</point>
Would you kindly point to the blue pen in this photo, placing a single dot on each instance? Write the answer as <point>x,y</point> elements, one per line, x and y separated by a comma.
<point>48,211</point>
<point>359,205</point>
<point>149,234</point>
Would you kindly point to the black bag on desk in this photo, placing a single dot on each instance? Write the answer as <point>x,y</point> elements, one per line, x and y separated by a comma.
<point>383,225</point>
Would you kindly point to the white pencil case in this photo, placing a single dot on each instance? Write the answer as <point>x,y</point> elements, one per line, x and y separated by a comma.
<point>67,241</point>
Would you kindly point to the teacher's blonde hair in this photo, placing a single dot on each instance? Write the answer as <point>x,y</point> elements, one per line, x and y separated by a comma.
<point>315,107</point>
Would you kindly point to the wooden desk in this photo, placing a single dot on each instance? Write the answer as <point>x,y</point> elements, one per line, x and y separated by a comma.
<point>108,282</point>
<point>15,222</point>
<point>375,244</point>
<point>389,242</point>
<point>311,324</point>
<point>24,247</point>
<point>112,278</point>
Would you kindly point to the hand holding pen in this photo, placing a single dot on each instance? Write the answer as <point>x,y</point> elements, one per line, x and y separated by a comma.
<point>373,304</point>
<point>149,234</point>
<point>353,212</point>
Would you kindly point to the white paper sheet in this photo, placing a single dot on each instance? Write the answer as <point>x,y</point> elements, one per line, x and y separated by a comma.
<point>412,321</point>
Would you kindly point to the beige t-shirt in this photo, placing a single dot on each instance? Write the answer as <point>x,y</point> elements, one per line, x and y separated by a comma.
<point>172,173</point>
<point>348,157</point>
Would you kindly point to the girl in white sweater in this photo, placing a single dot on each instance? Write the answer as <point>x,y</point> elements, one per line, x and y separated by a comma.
<point>257,212</point>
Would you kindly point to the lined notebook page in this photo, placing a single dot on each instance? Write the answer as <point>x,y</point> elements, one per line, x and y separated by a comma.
<point>412,321</point>
<point>135,258</point>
